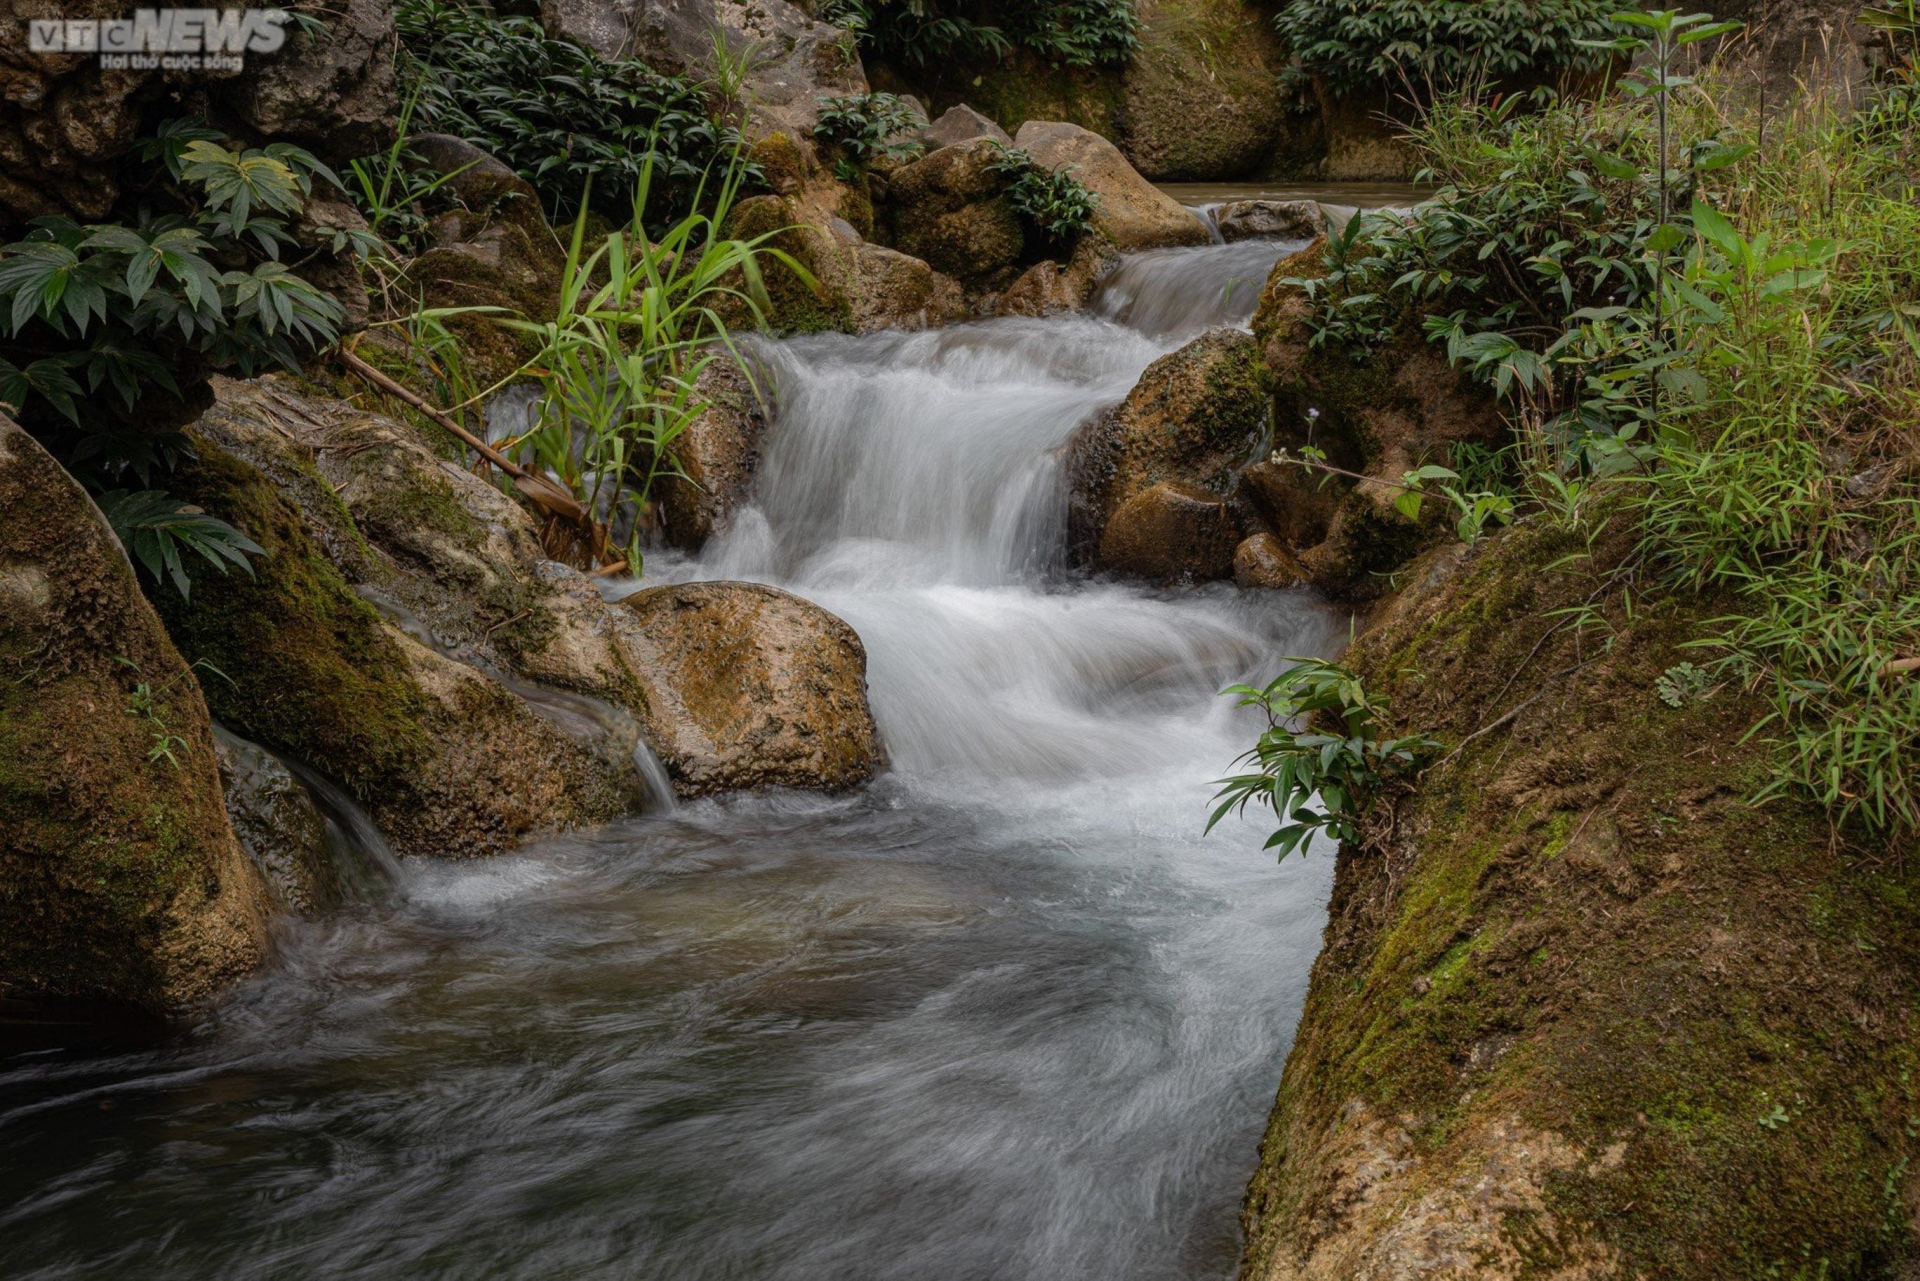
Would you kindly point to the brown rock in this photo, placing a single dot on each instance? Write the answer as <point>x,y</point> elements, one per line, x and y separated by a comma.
<point>332,91</point>
<point>1170,532</point>
<point>1264,561</point>
<point>1194,417</point>
<point>747,686</point>
<point>120,878</point>
<point>1269,220</point>
<point>1197,99</point>
<point>278,824</point>
<point>1049,288</point>
<point>947,209</point>
<point>1133,213</point>
<point>960,124</point>
<point>717,455</point>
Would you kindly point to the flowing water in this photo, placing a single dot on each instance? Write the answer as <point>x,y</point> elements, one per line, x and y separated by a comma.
<point>1003,1015</point>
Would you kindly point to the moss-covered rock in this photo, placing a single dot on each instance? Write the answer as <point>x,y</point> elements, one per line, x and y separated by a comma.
<point>1199,99</point>
<point>1583,1011</point>
<point>949,208</point>
<point>449,762</point>
<point>1195,418</point>
<point>120,878</point>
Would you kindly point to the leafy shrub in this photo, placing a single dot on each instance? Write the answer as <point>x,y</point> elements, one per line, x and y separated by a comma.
<point>97,318</point>
<point>1079,33</point>
<point>867,127</point>
<point>559,115</point>
<point>1057,205</point>
<point>1344,769</point>
<point>156,529</point>
<point>1424,46</point>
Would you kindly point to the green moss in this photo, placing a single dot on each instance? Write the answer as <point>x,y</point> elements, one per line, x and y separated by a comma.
<point>311,669</point>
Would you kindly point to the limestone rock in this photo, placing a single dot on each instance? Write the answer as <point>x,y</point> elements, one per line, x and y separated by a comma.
<point>717,455</point>
<point>332,91</point>
<point>947,208</point>
<point>792,60</point>
<point>962,124</point>
<point>278,824</point>
<point>748,686</point>
<point>1269,220</point>
<point>120,878</point>
<point>1171,531</point>
<point>1195,417</point>
<point>1133,213</point>
<point>1263,561</point>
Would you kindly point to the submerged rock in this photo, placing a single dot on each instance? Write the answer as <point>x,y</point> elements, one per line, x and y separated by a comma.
<point>1195,418</point>
<point>120,878</point>
<point>748,686</point>
<point>278,824</point>
<point>1133,213</point>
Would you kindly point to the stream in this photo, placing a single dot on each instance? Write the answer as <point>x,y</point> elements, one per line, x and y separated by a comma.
<point>1004,1015</point>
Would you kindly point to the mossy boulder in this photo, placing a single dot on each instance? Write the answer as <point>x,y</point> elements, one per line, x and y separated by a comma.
<point>1583,1010</point>
<point>750,686</point>
<point>1195,418</point>
<point>449,762</point>
<point>949,208</point>
<point>120,878</point>
<point>1132,212</point>
<point>1198,99</point>
<point>279,826</point>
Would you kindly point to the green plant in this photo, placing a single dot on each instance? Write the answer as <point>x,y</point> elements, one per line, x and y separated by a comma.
<point>640,319</point>
<point>1681,684</point>
<point>1078,33</point>
<point>148,703</point>
<point>155,529</point>
<point>1430,47</point>
<point>564,118</point>
<point>869,127</point>
<point>1343,767</point>
<point>1055,204</point>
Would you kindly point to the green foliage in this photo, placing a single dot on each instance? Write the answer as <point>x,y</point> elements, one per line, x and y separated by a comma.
<point>1343,765</point>
<point>619,367</point>
<point>1077,33</point>
<point>564,118</point>
<point>155,529</point>
<point>1681,684</point>
<point>867,127</point>
<point>1055,204</point>
<point>148,703</point>
<point>1430,46</point>
<point>394,189</point>
<point>94,319</point>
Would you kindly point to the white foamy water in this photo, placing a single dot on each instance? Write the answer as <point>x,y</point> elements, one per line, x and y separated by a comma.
<point>1005,1015</point>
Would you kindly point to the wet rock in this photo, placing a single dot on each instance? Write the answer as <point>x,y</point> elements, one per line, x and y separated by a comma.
<point>1048,288</point>
<point>962,124</point>
<point>1171,531</point>
<point>948,209</point>
<point>1133,213</point>
<point>748,686</point>
<point>1195,417</point>
<point>448,761</point>
<point>1263,561</point>
<point>1287,501</point>
<point>792,60</point>
<point>1269,220</point>
<point>717,455</point>
<point>278,824</point>
<point>120,878</point>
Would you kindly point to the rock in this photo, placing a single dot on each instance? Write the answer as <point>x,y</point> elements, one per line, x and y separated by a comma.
<point>67,126</point>
<point>1195,417</point>
<point>484,184</point>
<point>120,878</point>
<point>1286,501</point>
<point>332,91</point>
<point>1133,213</point>
<point>962,124</point>
<point>449,762</point>
<point>1171,531</point>
<point>1048,288</point>
<point>751,687</point>
<point>858,287</point>
<point>792,60</point>
<point>1197,99</point>
<point>1361,146</point>
<point>1269,220</point>
<point>947,208</point>
<point>717,455</point>
<point>278,824</point>
<point>1263,561</point>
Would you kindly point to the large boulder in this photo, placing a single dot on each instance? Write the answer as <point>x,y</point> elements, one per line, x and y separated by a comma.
<point>1133,213</point>
<point>791,60</point>
<point>749,686</point>
<point>961,123</point>
<point>1196,417</point>
<point>1170,532</point>
<point>120,878</point>
<point>331,89</point>
<point>1198,99</point>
